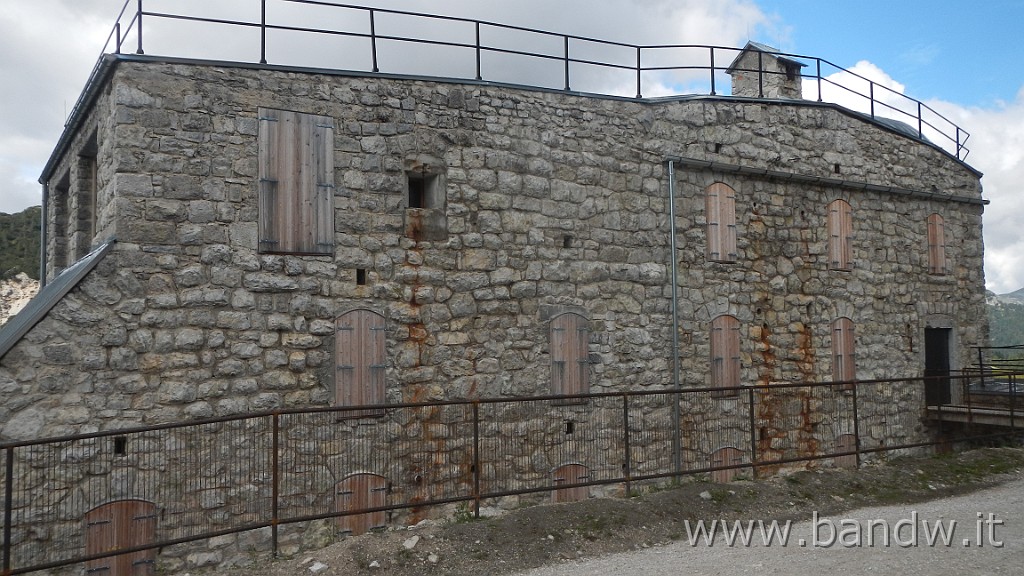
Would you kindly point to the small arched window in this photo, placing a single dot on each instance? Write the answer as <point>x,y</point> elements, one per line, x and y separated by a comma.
<point>840,235</point>
<point>720,202</point>
<point>360,353</point>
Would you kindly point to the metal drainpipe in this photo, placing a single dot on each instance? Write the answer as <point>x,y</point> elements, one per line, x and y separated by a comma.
<point>676,417</point>
<point>42,237</point>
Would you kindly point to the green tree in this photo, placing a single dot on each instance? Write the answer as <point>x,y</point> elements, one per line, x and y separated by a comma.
<point>19,243</point>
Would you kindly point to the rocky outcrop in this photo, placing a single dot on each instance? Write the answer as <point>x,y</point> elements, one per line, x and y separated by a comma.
<point>15,294</point>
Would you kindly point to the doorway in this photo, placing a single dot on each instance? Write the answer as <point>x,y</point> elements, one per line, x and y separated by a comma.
<point>936,366</point>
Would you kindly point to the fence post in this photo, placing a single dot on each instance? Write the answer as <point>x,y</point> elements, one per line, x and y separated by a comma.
<point>920,121</point>
<point>753,432</point>
<point>138,17</point>
<point>117,34</point>
<point>8,504</point>
<point>871,96</point>
<point>856,423</point>
<point>276,478</point>
<point>476,458</point>
<point>263,31</point>
<point>627,459</point>
<point>760,74</point>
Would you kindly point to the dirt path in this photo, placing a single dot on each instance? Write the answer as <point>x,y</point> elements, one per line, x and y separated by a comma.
<point>840,544</point>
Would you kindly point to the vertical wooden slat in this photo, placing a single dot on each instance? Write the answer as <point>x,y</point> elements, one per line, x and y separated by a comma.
<point>267,177</point>
<point>323,173</point>
<point>846,443</point>
<point>714,209</point>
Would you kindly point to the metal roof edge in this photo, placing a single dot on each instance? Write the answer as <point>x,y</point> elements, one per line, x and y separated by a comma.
<point>16,328</point>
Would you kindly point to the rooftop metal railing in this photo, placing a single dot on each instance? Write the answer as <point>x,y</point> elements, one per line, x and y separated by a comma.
<point>371,40</point>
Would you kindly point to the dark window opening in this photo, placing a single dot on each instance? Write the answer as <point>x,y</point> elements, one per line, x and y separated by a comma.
<point>570,427</point>
<point>836,168</point>
<point>120,445</point>
<point>361,277</point>
<point>567,241</point>
<point>417,192</point>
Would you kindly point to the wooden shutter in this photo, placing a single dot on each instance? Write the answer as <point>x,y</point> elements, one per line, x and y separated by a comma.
<point>360,353</point>
<point>362,492</point>
<point>727,456</point>
<point>570,356</point>
<point>296,183</point>
<point>720,203</point>
<point>120,525</point>
<point>843,364</point>
<point>568,474</point>
<point>840,235</point>
<point>846,443</point>
<point>936,245</point>
<point>725,353</point>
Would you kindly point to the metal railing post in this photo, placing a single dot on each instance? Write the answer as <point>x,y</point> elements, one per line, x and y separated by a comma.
<point>753,432</point>
<point>476,458</point>
<point>856,424</point>
<point>263,31</point>
<point>138,17</point>
<point>479,76</point>
<point>871,95</point>
<point>276,479</point>
<point>8,504</point>
<point>373,41</point>
<point>920,121</point>
<point>627,467</point>
<point>566,41</point>
<point>760,74</point>
<point>639,93</point>
<point>117,35</point>
<point>818,60</point>
<point>712,49</point>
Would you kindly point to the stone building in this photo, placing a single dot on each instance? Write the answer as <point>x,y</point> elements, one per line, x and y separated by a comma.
<point>241,238</point>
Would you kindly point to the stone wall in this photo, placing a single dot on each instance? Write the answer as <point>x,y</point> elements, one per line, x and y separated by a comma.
<point>552,201</point>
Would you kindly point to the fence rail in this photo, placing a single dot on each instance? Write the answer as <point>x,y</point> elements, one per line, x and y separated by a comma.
<point>374,40</point>
<point>265,471</point>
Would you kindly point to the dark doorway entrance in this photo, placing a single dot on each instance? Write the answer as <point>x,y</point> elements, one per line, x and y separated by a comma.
<point>936,366</point>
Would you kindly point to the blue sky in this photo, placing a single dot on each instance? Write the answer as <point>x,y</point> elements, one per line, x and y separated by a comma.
<point>960,57</point>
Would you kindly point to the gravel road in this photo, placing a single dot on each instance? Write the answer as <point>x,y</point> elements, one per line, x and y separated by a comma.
<point>840,544</point>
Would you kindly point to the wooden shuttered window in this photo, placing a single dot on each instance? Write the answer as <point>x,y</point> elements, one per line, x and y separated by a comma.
<point>566,475</point>
<point>725,354</point>
<point>844,368</point>
<point>727,456</point>
<point>720,203</point>
<point>937,245</point>
<point>361,492</point>
<point>117,526</point>
<point>296,182</point>
<point>840,235</point>
<point>570,356</point>
<point>360,353</point>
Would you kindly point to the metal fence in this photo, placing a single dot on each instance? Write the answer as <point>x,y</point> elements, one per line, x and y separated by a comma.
<point>378,40</point>
<point>265,471</point>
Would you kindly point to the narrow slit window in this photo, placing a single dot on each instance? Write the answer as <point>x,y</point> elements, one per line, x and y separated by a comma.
<point>840,235</point>
<point>570,359</point>
<point>937,245</point>
<point>844,367</point>
<point>417,191</point>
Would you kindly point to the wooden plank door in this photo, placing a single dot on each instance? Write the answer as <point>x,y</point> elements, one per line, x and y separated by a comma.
<point>570,474</point>
<point>120,525</point>
<point>361,492</point>
<point>727,456</point>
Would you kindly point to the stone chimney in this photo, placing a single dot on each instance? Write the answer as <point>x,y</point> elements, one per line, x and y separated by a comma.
<point>759,71</point>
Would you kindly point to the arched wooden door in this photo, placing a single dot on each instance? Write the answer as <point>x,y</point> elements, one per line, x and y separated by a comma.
<point>727,456</point>
<point>362,492</point>
<point>116,526</point>
<point>846,443</point>
<point>570,474</point>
